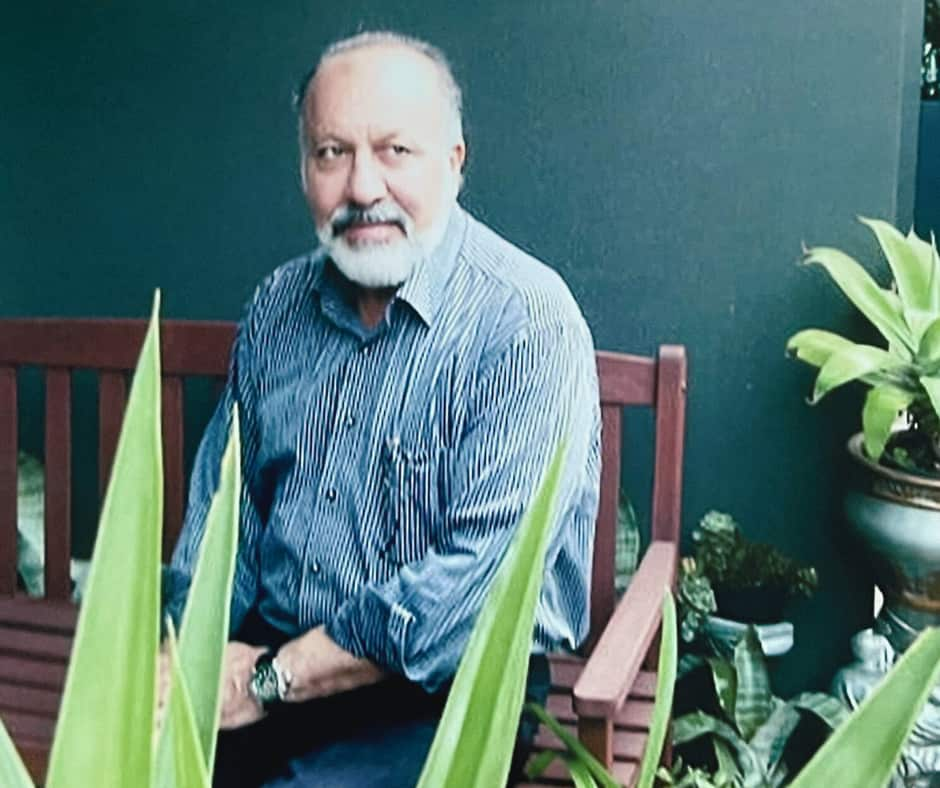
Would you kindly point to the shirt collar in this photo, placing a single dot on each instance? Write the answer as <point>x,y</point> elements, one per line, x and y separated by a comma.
<point>424,290</point>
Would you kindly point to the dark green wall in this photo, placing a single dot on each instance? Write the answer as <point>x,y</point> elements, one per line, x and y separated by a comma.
<point>667,157</point>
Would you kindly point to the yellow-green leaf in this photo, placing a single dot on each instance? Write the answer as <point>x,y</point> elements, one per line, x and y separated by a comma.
<point>910,274</point>
<point>665,687</point>
<point>863,751</point>
<point>476,735</point>
<point>883,404</point>
<point>851,364</point>
<point>205,624</point>
<point>815,346</point>
<point>187,761</point>
<point>876,304</point>
<point>929,348</point>
<point>104,735</point>
<point>930,260</point>
<point>931,385</point>
<point>578,752</point>
<point>13,773</point>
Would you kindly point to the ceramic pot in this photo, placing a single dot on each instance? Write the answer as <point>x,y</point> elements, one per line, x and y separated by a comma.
<point>896,516</point>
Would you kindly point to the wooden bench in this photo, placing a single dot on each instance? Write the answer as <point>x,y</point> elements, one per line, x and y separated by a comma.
<point>607,699</point>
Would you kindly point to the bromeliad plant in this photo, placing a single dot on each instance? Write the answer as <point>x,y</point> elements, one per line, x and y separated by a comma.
<point>751,729</point>
<point>904,375</point>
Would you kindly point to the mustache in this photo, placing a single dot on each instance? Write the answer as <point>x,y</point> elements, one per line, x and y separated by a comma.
<point>380,213</point>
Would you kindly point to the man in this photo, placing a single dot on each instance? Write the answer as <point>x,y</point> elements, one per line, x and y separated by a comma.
<point>400,393</point>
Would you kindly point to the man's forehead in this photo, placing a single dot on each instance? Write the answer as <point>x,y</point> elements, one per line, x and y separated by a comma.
<point>384,74</point>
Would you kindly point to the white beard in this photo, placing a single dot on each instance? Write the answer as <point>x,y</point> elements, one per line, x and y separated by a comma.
<point>385,264</point>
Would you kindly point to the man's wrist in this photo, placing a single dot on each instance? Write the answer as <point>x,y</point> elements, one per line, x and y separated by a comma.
<point>270,681</point>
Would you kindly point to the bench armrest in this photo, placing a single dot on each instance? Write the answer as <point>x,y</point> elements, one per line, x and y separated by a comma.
<point>618,656</point>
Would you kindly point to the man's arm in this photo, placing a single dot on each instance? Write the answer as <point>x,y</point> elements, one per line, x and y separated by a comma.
<point>541,388</point>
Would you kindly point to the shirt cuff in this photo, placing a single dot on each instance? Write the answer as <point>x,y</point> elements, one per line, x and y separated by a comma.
<point>369,627</point>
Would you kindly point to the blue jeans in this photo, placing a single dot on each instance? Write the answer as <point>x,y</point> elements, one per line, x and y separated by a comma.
<point>372,736</point>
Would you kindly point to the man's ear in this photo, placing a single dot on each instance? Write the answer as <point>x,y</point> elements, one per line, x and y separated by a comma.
<point>458,156</point>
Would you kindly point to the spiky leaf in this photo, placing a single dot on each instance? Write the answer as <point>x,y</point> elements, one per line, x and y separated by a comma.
<point>851,364</point>
<point>882,406</point>
<point>474,740</point>
<point>815,346</point>
<point>878,305</point>
<point>665,687</point>
<point>910,274</point>
<point>929,348</point>
<point>13,773</point>
<point>104,734</point>
<point>578,750</point>
<point>931,385</point>
<point>205,626</point>
<point>187,762</point>
<point>754,700</point>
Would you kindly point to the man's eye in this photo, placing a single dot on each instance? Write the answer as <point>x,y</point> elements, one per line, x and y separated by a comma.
<point>329,152</point>
<point>399,150</point>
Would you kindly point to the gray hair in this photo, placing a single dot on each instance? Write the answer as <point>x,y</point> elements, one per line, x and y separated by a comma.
<point>449,86</point>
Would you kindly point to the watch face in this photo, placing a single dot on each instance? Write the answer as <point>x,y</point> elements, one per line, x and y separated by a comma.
<point>264,682</point>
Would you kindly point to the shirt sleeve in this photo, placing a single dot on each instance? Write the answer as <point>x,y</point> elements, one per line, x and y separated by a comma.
<point>540,389</point>
<point>203,484</point>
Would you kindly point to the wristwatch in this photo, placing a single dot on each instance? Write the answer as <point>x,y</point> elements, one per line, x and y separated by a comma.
<point>270,682</point>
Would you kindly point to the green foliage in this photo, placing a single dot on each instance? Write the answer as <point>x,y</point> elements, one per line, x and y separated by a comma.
<point>730,561</point>
<point>475,738</point>
<point>750,731</point>
<point>904,376</point>
<point>106,730</point>
<point>696,599</point>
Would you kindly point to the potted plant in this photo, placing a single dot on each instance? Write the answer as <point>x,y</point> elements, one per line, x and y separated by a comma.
<point>732,582</point>
<point>894,504</point>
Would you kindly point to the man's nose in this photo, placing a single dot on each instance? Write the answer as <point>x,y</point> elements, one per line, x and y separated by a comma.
<point>366,183</point>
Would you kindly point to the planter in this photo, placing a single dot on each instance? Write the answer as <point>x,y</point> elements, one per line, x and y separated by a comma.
<point>722,635</point>
<point>896,516</point>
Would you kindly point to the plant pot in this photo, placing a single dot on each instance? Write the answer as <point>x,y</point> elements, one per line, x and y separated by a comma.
<point>896,516</point>
<point>722,635</point>
<point>757,605</point>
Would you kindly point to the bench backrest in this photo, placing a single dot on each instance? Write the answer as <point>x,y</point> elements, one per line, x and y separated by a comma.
<point>198,348</point>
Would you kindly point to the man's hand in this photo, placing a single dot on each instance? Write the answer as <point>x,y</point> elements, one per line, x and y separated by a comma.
<point>319,667</point>
<point>239,706</point>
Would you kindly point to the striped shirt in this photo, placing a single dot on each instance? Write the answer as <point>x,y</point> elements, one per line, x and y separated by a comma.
<point>385,470</point>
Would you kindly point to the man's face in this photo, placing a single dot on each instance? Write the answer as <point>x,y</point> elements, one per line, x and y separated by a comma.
<point>381,164</point>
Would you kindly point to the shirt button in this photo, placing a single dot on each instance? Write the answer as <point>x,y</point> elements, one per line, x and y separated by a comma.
<point>315,567</point>
<point>350,421</point>
<point>331,494</point>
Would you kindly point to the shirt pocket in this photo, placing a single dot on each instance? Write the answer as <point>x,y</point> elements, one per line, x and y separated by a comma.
<point>413,491</point>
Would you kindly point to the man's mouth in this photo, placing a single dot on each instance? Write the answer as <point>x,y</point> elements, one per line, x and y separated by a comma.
<point>371,231</point>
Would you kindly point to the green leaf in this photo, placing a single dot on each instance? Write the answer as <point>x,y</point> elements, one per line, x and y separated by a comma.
<point>770,739</point>
<point>878,305</point>
<point>927,253</point>
<point>929,348</point>
<point>205,624</point>
<point>851,364</point>
<point>754,701</point>
<point>863,751</point>
<point>815,346</point>
<point>13,773</point>
<point>475,737</point>
<point>727,765</point>
<point>726,684</point>
<point>665,687</point>
<point>539,763</point>
<point>697,724</point>
<point>931,385</point>
<point>104,732</point>
<point>578,750</point>
<point>580,774</point>
<point>910,274</point>
<point>187,763</point>
<point>829,709</point>
<point>882,406</point>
